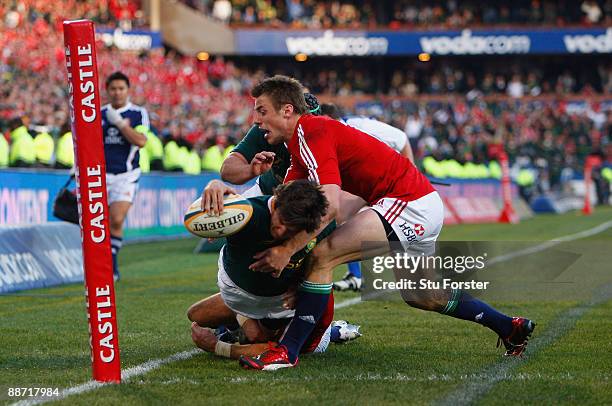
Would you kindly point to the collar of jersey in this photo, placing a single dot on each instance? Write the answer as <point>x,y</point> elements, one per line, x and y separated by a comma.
<point>124,108</point>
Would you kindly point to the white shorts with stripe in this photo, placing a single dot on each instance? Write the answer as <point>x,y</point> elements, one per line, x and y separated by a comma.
<point>417,223</point>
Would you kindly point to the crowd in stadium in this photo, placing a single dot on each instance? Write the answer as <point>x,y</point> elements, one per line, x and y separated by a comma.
<point>24,14</point>
<point>207,105</point>
<point>489,77</point>
<point>405,14</point>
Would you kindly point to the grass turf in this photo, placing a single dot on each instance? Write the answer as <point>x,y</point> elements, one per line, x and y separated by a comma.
<point>405,355</point>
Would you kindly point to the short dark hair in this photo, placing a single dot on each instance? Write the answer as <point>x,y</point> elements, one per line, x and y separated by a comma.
<point>282,90</point>
<point>117,76</point>
<point>301,205</point>
<point>331,110</point>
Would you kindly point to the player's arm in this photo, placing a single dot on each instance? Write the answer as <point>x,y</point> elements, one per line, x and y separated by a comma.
<point>134,137</point>
<point>402,143</point>
<point>123,124</point>
<point>275,259</point>
<point>207,340</point>
<point>248,159</point>
<point>319,164</point>
<point>236,169</point>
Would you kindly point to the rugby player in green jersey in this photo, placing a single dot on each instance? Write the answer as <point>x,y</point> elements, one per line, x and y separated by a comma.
<point>254,157</point>
<point>260,302</point>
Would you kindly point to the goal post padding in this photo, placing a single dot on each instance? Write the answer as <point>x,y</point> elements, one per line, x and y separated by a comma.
<point>84,104</point>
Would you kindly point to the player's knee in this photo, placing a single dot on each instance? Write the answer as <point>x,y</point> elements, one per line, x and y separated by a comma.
<point>410,297</point>
<point>196,313</point>
<point>191,313</point>
<point>116,224</point>
<point>419,299</point>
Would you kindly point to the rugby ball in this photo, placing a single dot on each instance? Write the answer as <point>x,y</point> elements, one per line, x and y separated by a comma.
<point>237,212</point>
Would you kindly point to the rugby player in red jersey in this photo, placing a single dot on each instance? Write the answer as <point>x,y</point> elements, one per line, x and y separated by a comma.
<point>404,207</point>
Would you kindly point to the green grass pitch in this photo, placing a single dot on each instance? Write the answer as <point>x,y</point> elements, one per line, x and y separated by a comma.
<point>406,356</point>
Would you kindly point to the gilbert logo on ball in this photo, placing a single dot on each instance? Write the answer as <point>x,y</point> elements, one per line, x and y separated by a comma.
<point>237,212</point>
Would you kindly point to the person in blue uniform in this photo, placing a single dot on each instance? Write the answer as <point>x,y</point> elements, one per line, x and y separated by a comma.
<point>121,145</point>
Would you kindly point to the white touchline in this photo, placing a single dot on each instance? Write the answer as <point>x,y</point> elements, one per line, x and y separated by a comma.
<point>154,364</point>
<point>125,375</point>
<point>549,244</point>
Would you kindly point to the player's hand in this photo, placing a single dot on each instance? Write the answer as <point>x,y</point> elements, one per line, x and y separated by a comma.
<point>262,162</point>
<point>273,260</point>
<point>212,196</point>
<point>203,337</point>
<point>115,118</point>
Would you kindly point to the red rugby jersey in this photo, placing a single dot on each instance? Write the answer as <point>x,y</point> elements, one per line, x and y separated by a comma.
<point>327,151</point>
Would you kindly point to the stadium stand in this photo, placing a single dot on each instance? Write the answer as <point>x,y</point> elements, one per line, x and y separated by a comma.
<point>405,14</point>
<point>452,109</point>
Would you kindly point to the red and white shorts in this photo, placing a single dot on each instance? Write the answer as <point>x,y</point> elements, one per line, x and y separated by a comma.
<point>416,223</point>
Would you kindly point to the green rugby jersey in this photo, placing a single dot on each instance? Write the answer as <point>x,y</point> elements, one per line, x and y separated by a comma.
<point>255,237</point>
<point>254,142</point>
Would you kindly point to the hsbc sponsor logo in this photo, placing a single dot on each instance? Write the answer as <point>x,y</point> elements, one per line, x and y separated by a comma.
<point>113,137</point>
<point>419,229</point>
<point>329,44</point>
<point>588,43</point>
<point>408,231</point>
<point>468,44</point>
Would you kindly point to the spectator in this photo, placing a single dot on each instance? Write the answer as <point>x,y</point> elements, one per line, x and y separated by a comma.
<point>516,88</point>
<point>222,10</point>
<point>592,11</point>
<point>406,14</point>
<point>121,145</point>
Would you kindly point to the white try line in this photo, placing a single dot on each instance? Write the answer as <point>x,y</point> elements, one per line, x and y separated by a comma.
<point>471,391</point>
<point>154,364</point>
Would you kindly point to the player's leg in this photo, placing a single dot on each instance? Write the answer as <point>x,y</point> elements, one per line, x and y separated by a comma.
<point>118,212</point>
<point>420,223</point>
<point>329,331</point>
<point>342,245</point>
<point>121,193</point>
<point>345,244</point>
<point>513,331</point>
<point>349,206</point>
<point>211,312</point>
<point>351,280</point>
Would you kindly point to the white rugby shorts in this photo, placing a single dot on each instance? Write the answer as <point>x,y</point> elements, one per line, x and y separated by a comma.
<point>417,223</point>
<point>248,304</point>
<point>122,187</point>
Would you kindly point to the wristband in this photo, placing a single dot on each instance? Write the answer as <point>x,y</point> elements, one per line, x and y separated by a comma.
<point>223,349</point>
